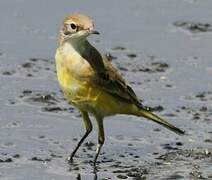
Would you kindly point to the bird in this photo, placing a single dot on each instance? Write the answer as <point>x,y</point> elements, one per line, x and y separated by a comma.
<point>92,84</point>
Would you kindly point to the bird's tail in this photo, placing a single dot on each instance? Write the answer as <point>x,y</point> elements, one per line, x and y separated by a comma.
<point>149,115</point>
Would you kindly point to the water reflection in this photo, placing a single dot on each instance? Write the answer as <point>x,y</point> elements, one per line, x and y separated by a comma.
<point>95,177</point>
<point>75,167</point>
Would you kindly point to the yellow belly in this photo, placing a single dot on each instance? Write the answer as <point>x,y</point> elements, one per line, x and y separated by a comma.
<point>88,97</point>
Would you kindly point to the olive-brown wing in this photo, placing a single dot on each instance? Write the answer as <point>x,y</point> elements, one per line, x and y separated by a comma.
<point>112,82</point>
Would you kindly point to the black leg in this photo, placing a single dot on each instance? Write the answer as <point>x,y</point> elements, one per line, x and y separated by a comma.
<point>88,127</point>
<point>98,149</point>
<point>101,139</point>
<point>70,158</point>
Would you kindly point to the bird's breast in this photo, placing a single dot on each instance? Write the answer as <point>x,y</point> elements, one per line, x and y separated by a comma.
<point>73,73</point>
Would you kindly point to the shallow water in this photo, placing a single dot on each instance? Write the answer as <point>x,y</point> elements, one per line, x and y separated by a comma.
<point>162,48</point>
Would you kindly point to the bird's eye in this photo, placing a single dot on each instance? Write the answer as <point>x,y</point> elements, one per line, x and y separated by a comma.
<point>73,26</point>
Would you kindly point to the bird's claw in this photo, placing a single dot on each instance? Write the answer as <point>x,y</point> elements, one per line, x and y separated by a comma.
<point>70,159</point>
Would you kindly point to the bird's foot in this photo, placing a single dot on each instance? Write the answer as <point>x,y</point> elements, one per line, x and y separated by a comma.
<point>69,159</point>
<point>95,167</point>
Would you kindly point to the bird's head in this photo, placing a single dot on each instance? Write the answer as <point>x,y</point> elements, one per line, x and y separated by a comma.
<point>77,27</point>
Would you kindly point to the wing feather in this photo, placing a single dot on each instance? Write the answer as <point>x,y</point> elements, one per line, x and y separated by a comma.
<point>111,81</point>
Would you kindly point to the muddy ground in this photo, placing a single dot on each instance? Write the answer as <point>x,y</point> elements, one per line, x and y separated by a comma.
<point>162,48</point>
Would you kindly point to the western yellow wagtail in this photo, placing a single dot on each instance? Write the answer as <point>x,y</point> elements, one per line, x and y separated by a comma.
<point>91,83</point>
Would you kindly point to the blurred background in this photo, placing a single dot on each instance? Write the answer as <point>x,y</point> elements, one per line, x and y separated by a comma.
<point>162,48</point>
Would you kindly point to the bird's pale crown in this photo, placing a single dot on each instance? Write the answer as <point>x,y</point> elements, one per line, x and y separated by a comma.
<point>77,26</point>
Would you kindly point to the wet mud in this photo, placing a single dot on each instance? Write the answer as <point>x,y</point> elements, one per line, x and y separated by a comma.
<point>128,163</point>
<point>39,128</point>
<point>194,27</point>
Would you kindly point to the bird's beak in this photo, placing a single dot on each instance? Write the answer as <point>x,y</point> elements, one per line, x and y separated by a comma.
<point>94,32</point>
